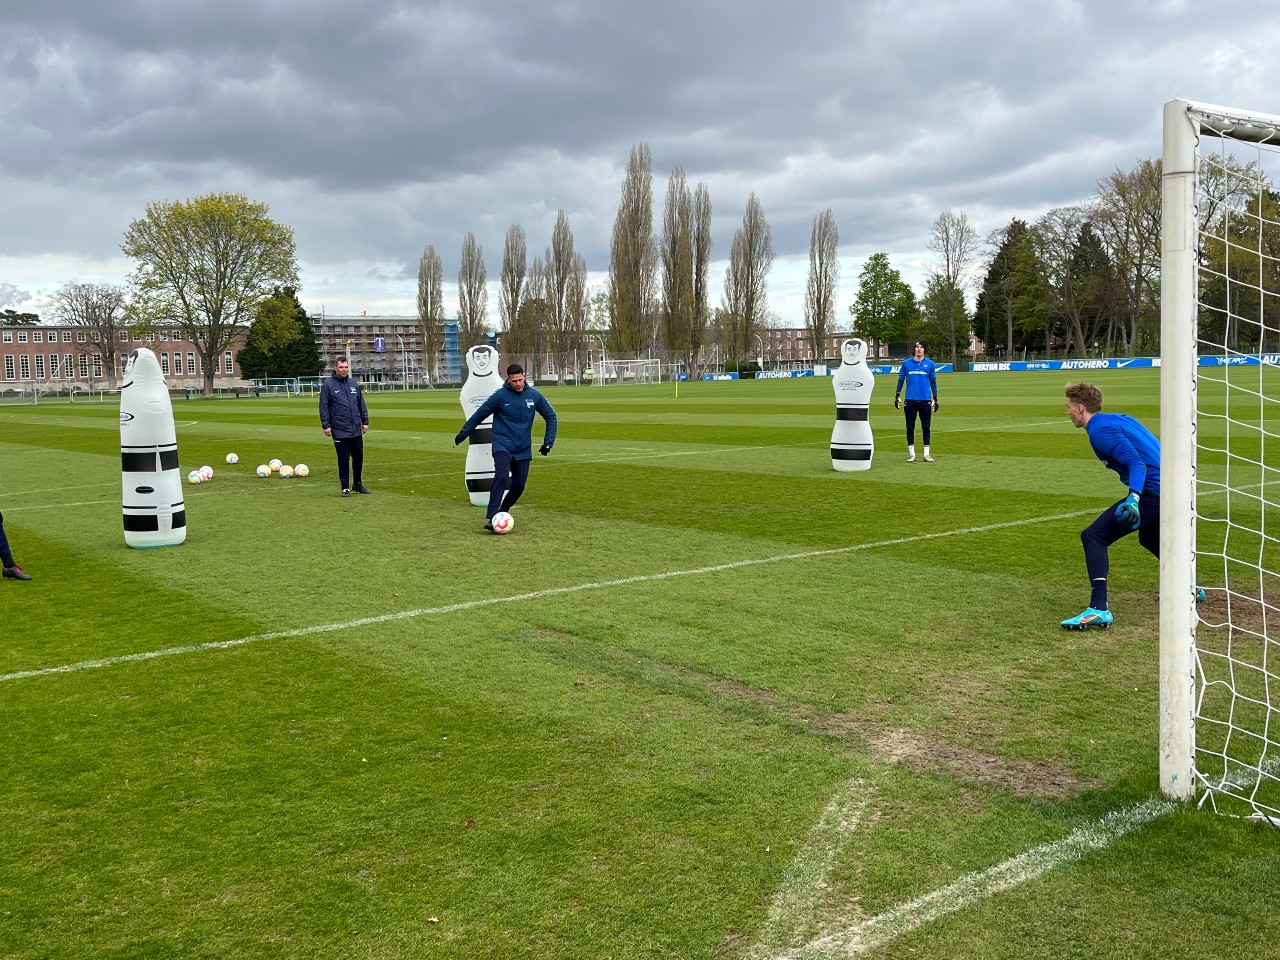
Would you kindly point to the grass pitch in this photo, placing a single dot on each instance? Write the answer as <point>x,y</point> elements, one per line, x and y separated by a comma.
<point>710,699</point>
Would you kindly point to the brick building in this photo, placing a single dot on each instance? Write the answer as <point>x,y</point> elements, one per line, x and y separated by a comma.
<point>55,357</point>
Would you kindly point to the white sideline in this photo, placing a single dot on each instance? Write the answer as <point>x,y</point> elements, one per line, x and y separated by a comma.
<point>971,888</point>
<point>533,595</point>
<point>792,912</point>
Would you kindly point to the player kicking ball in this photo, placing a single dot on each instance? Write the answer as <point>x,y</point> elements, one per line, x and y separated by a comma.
<point>1131,450</point>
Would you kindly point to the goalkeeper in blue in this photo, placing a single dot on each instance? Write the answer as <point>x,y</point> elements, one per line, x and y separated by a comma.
<point>1131,450</point>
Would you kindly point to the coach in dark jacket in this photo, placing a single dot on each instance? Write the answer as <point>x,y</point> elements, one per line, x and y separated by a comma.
<point>345,420</point>
<point>513,406</point>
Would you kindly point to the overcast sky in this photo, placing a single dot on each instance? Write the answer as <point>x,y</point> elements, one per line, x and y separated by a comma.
<point>375,128</point>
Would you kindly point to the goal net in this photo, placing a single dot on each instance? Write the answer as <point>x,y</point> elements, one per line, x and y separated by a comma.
<point>629,371</point>
<point>1220,467</point>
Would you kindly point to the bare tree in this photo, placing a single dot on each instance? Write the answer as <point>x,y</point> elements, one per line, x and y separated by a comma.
<point>1128,221</point>
<point>473,296</point>
<point>824,274</point>
<point>514,267</point>
<point>523,339</point>
<point>956,244</point>
<point>100,310</point>
<point>677,267</point>
<point>746,284</point>
<point>430,310</point>
<point>633,260</point>
<point>565,290</point>
<point>701,236</point>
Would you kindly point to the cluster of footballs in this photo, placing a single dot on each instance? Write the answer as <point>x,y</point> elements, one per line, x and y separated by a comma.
<point>205,474</point>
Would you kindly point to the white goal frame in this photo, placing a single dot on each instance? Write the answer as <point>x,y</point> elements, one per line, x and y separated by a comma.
<point>648,370</point>
<point>1182,672</point>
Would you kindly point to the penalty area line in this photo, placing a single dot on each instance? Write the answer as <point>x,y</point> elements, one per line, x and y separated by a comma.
<point>973,887</point>
<point>532,595</point>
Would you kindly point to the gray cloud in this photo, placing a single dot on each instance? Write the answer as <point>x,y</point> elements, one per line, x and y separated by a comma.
<point>377,128</point>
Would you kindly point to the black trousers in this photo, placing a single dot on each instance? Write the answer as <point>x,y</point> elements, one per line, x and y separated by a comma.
<point>350,452</point>
<point>924,409</point>
<point>509,478</point>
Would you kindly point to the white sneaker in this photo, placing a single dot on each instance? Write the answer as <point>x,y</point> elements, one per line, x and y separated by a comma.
<point>911,458</point>
<point>928,459</point>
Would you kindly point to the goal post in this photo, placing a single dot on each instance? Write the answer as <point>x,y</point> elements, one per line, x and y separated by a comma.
<point>1220,457</point>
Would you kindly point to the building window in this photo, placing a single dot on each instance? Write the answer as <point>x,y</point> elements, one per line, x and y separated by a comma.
<point>66,336</point>
<point>151,338</point>
<point>84,367</point>
<point>176,335</point>
<point>22,336</point>
<point>81,338</point>
<point>8,336</point>
<point>55,372</point>
<point>97,366</point>
<point>124,336</point>
<point>164,335</point>
<point>37,336</point>
<point>8,367</point>
<point>137,338</point>
<point>228,363</point>
<point>67,369</point>
<point>39,366</point>
<point>24,365</point>
<point>191,364</point>
<point>164,364</point>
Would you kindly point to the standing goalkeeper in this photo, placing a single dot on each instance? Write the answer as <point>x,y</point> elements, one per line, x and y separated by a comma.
<point>1131,450</point>
<point>920,377</point>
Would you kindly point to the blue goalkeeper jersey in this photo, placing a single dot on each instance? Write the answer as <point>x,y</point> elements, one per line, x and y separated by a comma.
<point>1127,447</point>
<point>922,382</point>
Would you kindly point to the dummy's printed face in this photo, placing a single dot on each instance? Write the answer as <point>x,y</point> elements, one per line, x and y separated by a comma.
<point>851,351</point>
<point>481,360</point>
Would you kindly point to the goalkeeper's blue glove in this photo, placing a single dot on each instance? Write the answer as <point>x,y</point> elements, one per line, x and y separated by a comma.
<point>1128,512</point>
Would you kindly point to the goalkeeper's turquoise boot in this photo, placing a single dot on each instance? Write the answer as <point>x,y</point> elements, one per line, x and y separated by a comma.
<point>1089,619</point>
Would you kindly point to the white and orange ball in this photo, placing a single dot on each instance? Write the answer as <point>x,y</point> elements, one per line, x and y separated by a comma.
<point>301,470</point>
<point>232,458</point>
<point>264,470</point>
<point>503,522</point>
<point>286,470</point>
<point>275,465</point>
<point>206,472</point>
<point>194,477</point>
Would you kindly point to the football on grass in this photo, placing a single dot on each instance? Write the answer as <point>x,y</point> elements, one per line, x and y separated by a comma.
<point>503,522</point>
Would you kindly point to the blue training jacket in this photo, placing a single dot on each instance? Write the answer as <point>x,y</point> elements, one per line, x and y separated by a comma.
<point>1127,447</point>
<point>513,420</point>
<point>342,408</point>
<point>922,382</point>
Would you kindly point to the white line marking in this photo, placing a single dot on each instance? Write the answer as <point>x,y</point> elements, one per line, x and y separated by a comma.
<point>792,917</point>
<point>534,595</point>
<point>971,888</point>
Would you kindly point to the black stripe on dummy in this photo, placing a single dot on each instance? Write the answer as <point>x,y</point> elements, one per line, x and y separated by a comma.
<point>479,486</point>
<point>169,459</point>
<point>856,414</point>
<point>147,524</point>
<point>179,520</point>
<point>837,454</point>
<point>482,435</point>
<point>138,462</point>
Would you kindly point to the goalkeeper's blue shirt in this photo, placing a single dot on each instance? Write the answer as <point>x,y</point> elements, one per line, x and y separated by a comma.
<point>1127,447</point>
<point>922,382</point>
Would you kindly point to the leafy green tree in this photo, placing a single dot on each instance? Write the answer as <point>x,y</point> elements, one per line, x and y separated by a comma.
<point>885,306</point>
<point>205,265</point>
<point>1010,294</point>
<point>281,342</point>
<point>12,318</point>
<point>945,318</point>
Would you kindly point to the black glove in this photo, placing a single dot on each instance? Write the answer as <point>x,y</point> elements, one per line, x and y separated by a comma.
<point>458,439</point>
<point>897,400</point>
<point>544,449</point>
<point>935,404</point>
